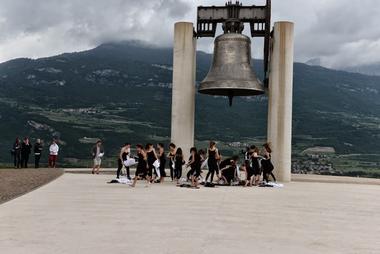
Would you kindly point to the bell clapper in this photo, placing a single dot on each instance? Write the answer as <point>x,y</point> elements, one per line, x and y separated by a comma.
<point>230,97</point>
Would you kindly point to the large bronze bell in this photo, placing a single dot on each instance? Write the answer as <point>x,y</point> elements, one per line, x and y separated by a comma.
<point>231,73</point>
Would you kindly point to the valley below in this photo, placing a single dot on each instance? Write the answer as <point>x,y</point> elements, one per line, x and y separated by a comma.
<point>122,93</point>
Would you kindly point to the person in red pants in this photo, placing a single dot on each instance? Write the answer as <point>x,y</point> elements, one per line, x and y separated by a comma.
<point>53,154</point>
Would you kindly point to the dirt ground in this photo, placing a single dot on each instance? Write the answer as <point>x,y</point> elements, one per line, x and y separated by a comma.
<point>16,182</point>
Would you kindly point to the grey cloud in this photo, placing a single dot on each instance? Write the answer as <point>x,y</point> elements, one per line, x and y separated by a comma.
<point>340,32</point>
<point>40,28</point>
<point>175,9</point>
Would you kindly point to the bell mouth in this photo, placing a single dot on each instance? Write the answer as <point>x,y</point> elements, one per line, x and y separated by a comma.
<point>229,92</point>
<point>243,89</point>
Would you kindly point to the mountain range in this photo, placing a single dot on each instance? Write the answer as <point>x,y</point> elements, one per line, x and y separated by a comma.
<point>367,69</point>
<point>121,92</point>
<point>372,69</point>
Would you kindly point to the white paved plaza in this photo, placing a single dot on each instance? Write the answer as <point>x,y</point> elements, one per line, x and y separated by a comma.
<point>80,213</point>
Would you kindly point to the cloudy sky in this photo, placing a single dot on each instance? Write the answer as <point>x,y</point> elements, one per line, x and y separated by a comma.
<point>339,32</point>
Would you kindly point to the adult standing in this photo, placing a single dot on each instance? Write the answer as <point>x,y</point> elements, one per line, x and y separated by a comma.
<point>161,156</point>
<point>213,157</point>
<point>26,149</point>
<point>247,157</point>
<point>151,158</point>
<point>142,166</point>
<point>125,152</point>
<point>178,163</point>
<point>266,163</point>
<point>16,152</point>
<point>97,154</point>
<point>53,154</point>
<point>171,157</point>
<point>37,153</point>
<point>255,165</point>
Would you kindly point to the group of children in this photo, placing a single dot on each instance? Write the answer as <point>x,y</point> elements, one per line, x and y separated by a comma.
<point>150,165</point>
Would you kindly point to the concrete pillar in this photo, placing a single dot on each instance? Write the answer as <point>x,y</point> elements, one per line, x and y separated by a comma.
<point>281,99</point>
<point>183,91</point>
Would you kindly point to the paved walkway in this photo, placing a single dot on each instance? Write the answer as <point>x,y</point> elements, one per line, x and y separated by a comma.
<point>80,213</point>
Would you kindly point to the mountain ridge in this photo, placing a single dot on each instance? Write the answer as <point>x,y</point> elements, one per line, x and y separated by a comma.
<point>120,91</point>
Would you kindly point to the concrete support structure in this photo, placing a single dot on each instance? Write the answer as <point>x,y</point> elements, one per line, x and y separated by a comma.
<point>281,99</point>
<point>183,97</point>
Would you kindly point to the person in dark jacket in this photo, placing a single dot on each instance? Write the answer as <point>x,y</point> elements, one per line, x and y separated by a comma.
<point>16,152</point>
<point>26,149</point>
<point>37,153</point>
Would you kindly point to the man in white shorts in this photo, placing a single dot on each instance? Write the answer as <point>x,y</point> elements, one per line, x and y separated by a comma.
<point>97,154</point>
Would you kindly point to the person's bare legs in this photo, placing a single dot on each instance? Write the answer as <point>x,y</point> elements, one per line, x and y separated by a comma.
<point>244,169</point>
<point>193,181</point>
<point>246,183</point>
<point>257,180</point>
<point>134,181</point>
<point>224,179</point>
<point>148,179</point>
<point>218,176</point>
<point>97,169</point>
<point>254,181</point>
<point>94,169</point>
<point>196,182</point>
<point>251,181</point>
